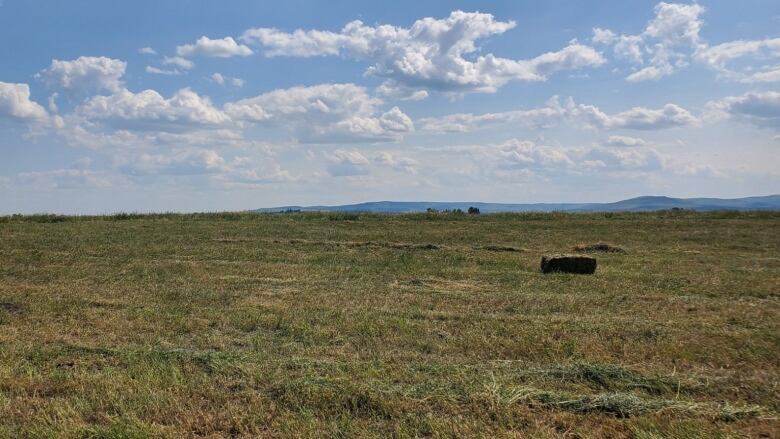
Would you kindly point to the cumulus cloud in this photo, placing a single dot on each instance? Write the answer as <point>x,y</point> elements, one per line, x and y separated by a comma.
<point>327,113</point>
<point>396,162</point>
<point>53,102</point>
<point>15,103</point>
<point>527,154</point>
<point>70,178</point>
<point>147,51</point>
<point>625,141</point>
<point>202,163</point>
<point>218,78</point>
<point>221,79</point>
<point>720,56</point>
<point>759,108</point>
<point>243,172</point>
<point>550,114</point>
<point>148,110</point>
<point>638,118</point>
<point>177,61</point>
<point>324,113</point>
<point>553,113</point>
<point>432,54</point>
<point>158,71</point>
<point>180,65</point>
<point>181,162</point>
<point>84,74</point>
<point>218,48</point>
<point>676,24</point>
<point>620,160</point>
<point>527,159</point>
<point>346,163</point>
<point>671,40</point>
<point>665,44</point>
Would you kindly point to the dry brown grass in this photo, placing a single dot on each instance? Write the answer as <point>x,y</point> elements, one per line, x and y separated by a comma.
<point>317,325</point>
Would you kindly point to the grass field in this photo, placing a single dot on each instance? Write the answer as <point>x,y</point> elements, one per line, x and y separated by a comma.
<point>323,325</point>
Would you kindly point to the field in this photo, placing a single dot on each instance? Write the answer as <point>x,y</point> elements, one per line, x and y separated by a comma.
<point>327,325</point>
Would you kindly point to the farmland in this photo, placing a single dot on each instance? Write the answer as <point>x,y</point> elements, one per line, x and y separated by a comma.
<point>368,325</point>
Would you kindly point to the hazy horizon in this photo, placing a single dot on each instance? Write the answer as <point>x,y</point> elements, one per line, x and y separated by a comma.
<point>154,107</point>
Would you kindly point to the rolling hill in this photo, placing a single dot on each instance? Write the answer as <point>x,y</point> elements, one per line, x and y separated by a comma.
<point>639,204</point>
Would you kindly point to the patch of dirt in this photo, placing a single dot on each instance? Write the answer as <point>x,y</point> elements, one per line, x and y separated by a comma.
<point>12,308</point>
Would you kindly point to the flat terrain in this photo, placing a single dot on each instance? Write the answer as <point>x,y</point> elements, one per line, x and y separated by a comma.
<point>246,325</point>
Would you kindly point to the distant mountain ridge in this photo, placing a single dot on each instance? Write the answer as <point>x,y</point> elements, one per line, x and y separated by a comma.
<point>639,204</point>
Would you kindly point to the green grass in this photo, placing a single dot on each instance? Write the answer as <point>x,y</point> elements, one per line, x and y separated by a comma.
<point>355,325</point>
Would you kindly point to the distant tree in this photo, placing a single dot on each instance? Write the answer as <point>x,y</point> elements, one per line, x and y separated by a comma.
<point>473,210</point>
<point>431,210</point>
<point>457,212</point>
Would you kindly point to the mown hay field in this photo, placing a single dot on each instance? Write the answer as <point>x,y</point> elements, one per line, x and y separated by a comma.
<point>441,325</point>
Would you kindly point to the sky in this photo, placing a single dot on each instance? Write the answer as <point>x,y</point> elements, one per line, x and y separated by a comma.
<point>192,105</point>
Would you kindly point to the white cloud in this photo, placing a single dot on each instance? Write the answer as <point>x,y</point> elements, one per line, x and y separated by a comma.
<point>718,58</point>
<point>432,54</point>
<point>629,47</point>
<point>526,154</point>
<point>218,78</point>
<point>147,51</point>
<point>182,63</point>
<point>15,102</point>
<point>246,175</point>
<point>676,24</point>
<point>181,162</point>
<point>217,48</point>
<point>53,102</point>
<point>529,160</point>
<point>70,178</point>
<point>396,162</point>
<point>637,118</point>
<point>759,108</point>
<point>651,73</point>
<point>345,163</point>
<point>148,110</point>
<point>221,79</point>
<point>200,162</point>
<point>324,113</point>
<point>770,74</point>
<point>665,44</point>
<point>625,141</point>
<point>672,39</point>
<point>158,71</point>
<point>603,36</point>
<point>550,114</point>
<point>85,73</point>
<point>179,65</point>
<point>400,93</point>
<point>621,160</point>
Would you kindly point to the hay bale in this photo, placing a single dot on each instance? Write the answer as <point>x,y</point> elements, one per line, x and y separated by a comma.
<point>599,247</point>
<point>577,264</point>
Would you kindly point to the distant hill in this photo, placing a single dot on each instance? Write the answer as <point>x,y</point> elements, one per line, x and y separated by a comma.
<point>639,204</point>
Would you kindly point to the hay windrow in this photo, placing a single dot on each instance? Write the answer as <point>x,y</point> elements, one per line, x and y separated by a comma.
<point>499,248</point>
<point>599,247</point>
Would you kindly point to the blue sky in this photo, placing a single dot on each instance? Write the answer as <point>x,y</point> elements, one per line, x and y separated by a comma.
<point>199,106</point>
